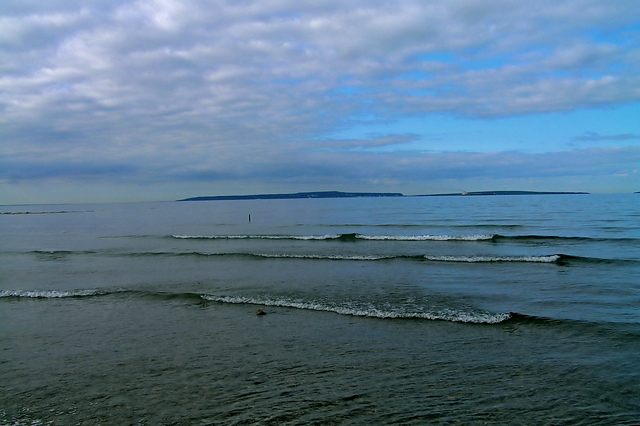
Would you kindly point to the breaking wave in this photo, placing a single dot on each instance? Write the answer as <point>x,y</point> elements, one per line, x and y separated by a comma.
<point>558,258</point>
<point>559,238</point>
<point>482,259</point>
<point>350,308</point>
<point>340,237</point>
<point>353,237</point>
<point>452,315</point>
<point>52,294</point>
<point>374,257</point>
<point>356,308</point>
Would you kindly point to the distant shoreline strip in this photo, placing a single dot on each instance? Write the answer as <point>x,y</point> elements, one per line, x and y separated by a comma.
<point>297,195</point>
<point>339,194</point>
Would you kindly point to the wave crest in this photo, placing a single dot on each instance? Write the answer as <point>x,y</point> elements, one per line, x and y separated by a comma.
<point>485,259</point>
<point>351,237</point>
<point>451,315</point>
<point>51,294</point>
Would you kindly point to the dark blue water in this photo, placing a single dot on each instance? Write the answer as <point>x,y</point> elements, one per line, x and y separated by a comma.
<point>436,310</point>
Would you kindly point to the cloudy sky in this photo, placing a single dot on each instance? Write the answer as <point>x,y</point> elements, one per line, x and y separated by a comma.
<point>127,100</point>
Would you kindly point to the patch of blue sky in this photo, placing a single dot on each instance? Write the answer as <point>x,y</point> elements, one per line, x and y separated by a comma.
<point>289,81</point>
<point>612,69</point>
<point>618,36</point>
<point>471,60</point>
<point>567,74</point>
<point>420,92</point>
<point>348,90</point>
<point>536,133</point>
<point>414,75</point>
<point>378,149</point>
<point>441,57</point>
<point>480,62</point>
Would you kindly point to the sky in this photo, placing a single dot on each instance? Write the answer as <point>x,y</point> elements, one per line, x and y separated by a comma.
<point>125,100</point>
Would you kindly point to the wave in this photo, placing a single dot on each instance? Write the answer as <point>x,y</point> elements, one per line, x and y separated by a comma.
<point>558,258</point>
<point>484,259</point>
<point>356,308</point>
<point>627,330</point>
<point>517,318</point>
<point>452,315</point>
<point>257,237</point>
<point>437,224</point>
<point>52,294</point>
<point>426,237</point>
<point>555,258</point>
<point>349,308</point>
<point>60,253</point>
<point>560,238</point>
<point>372,257</point>
<point>351,237</point>
<point>363,257</point>
<point>329,256</point>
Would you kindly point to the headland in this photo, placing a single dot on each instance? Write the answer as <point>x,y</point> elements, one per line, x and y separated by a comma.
<point>339,194</point>
<point>501,193</point>
<point>319,194</point>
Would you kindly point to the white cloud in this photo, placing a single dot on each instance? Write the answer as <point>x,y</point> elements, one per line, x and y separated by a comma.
<point>186,85</point>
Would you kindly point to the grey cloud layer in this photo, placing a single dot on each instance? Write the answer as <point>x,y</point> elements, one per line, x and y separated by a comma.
<point>246,89</point>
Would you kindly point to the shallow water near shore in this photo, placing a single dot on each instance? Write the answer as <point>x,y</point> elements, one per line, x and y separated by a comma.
<point>447,310</point>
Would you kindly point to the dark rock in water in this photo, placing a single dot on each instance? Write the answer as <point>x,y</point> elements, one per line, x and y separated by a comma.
<point>260,312</point>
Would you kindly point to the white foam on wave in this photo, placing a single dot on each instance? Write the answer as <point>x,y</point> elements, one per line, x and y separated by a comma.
<point>314,237</point>
<point>480,259</point>
<point>479,237</point>
<point>323,256</point>
<point>211,237</point>
<point>465,259</point>
<point>49,294</point>
<point>368,311</point>
<point>256,237</point>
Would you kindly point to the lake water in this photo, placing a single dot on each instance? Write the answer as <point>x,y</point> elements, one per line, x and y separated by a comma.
<point>519,310</point>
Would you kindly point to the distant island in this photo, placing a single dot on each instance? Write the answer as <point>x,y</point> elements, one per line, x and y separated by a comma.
<point>502,193</point>
<point>339,194</point>
<point>320,194</point>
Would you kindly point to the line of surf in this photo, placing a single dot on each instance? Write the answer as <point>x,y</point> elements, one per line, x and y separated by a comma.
<point>352,237</point>
<point>560,259</point>
<point>348,308</point>
<point>557,258</point>
<point>341,237</point>
<point>389,312</point>
<point>560,238</point>
<point>53,294</point>
<point>490,259</point>
<point>376,257</point>
<point>452,315</point>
